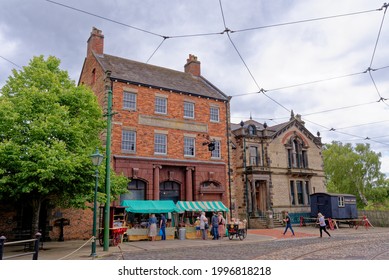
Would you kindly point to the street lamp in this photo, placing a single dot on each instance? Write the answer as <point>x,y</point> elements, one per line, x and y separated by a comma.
<point>97,158</point>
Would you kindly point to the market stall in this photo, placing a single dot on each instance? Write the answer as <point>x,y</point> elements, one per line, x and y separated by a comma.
<point>138,212</point>
<point>192,209</point>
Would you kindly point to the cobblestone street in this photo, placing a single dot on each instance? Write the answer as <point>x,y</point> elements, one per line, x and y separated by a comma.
<point>345,244</point>
<point>265,244</point>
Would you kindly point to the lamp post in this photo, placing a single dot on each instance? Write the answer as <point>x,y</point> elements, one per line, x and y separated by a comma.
<point>97,158</point>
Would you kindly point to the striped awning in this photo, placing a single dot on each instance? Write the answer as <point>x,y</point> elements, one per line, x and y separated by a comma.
<point>205,206</point>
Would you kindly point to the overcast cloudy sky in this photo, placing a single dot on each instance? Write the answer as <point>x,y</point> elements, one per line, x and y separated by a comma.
<point>326,60</point>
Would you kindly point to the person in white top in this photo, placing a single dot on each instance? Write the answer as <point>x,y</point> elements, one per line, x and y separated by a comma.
<point>322,224</point>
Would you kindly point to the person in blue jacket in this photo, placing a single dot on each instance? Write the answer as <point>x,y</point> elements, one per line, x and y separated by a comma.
<point>288,223</point>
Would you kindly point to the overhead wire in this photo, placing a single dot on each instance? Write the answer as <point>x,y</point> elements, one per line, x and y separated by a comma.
<point>303,21</point>
<point>228,32</point>
<point>13,63</point>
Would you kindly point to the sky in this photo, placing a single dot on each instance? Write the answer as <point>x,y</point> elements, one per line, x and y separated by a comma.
<point>326,60</point>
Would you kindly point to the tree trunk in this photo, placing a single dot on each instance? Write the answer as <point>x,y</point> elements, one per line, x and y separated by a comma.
<point>36,204</point>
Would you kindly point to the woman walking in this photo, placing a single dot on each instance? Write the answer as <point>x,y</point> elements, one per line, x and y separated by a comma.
<point>322,224</point>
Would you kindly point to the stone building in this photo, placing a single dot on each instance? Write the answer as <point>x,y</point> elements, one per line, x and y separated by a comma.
<point>164,125</point>
<point>276,167</point>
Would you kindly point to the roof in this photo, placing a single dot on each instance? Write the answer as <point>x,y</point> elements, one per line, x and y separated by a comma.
<point>205,206</point>
<point>159,77</point>
<point>332,194</point>
<point>149,206</point>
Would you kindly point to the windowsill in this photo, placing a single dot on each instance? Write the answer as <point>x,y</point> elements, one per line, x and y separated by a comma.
<point>128,152</point>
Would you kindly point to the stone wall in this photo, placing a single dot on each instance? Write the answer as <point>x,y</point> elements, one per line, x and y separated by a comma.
<point>376,218</point>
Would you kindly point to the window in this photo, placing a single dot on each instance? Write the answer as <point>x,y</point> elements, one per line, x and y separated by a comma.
<point>253,155</point>
<point>340,201</point>
<point>188,110</point>
<point>128,140</point>
<point>169,190</point>
<point>307,192</point>
<point>293,201</point>
<point>297,157</point>
<point>137,191</point>
<point>160,144</point>
<point>216,152</point>
<point>214,114</point>
<point>160,105</point>
<point>300,194</point>
<point>129,100</point>
<point>189,146</point>
<point>252,130</point>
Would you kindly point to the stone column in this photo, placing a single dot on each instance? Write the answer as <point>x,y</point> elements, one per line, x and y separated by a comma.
<point>189,184</point>
<point>156,182</point>
<point>254,198</point>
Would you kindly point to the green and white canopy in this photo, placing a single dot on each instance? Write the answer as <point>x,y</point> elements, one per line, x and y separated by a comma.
<point>206,206</point>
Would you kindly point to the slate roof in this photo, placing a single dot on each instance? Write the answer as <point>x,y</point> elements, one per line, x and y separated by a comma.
<point>271,130</point>
<point>150,75</point>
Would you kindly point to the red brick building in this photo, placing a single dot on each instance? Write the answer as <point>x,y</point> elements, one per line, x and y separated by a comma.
<point>163,124</point>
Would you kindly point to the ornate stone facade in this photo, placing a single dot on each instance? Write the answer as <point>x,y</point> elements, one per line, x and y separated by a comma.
<point>277,167</point>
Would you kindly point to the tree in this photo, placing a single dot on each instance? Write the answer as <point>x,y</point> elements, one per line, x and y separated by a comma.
<point>353,170</point>
<point>48,129</point>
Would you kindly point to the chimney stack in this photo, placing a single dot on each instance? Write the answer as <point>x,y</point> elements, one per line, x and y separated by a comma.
<point>192,65</point>
<point>95,42</point>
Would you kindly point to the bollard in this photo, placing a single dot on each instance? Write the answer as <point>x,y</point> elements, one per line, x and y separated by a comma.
<point>36,245</point>
<point>2,240</point>
<point>269,219</point>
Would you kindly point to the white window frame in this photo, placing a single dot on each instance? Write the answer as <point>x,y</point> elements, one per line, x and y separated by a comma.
<point>160,144</point>
<point>188,110</point>
<point>189,146</point>
<point>129,98</point>
<point>214,113</point>
<point>127,141</point>
<point>160,105</point>
<point>216,153</point>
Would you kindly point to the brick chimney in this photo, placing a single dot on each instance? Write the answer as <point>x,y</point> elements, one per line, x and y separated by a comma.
<point>95,42</point>
<point>192,65</point>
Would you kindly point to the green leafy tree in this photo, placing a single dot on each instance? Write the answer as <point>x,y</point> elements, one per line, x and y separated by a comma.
<point>353,170</point>
<point>49,127</point>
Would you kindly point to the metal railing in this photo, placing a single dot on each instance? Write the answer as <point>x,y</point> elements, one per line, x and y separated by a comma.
<point>34,253</point>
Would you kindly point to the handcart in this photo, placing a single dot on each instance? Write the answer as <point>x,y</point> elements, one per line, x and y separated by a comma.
<point>237,230</point>
<point>115,235</point>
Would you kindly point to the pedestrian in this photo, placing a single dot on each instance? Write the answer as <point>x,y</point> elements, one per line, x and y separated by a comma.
<point>322,224</point>
<point>288,223</point>
<point>152,227</point>
<point>162,226</point>
<point>197,225</point>
<point>222,223</point>
<point>215,226</point>
<point>203,226</point>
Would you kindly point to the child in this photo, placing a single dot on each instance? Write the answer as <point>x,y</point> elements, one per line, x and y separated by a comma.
<point>197,225</point>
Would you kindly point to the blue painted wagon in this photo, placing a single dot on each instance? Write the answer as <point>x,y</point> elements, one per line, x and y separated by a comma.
<point>335,206</point>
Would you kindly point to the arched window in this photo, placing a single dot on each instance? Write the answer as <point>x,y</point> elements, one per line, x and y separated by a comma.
<point>169,190</point>
<point>297,154</point>
<point>136,191</point>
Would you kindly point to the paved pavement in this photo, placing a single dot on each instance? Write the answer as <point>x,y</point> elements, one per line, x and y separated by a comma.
<point>81,249</point>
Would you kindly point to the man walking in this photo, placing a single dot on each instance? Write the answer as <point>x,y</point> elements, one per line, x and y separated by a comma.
<point>288,223</point>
